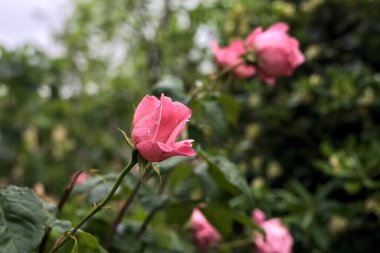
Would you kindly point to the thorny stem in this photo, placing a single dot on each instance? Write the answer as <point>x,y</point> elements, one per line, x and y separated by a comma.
<point>101,205</point>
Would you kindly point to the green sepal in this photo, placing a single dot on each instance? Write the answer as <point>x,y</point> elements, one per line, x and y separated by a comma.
<point>157,170</point>
<point>142,165</point>
<point>250,57</point>
<point>127,139</point>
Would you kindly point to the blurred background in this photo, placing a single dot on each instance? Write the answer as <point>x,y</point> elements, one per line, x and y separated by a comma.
<point>71,72</point>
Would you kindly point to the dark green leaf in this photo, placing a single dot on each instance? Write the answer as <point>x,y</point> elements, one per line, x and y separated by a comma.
<point>21,220</point>
<point>231,108</point>
<point>227,175</point>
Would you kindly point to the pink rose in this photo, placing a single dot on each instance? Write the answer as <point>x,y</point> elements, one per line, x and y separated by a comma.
<point>156,125</point>
<point>231,56</point>
<point>278,238</point>
<point>278,54</point>
<point>205,235</point>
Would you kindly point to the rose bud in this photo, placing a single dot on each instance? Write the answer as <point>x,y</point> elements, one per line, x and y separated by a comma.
<point>278,238</point>
<point>205,235</point>
<point>156,125</point>
<point>277,54</point>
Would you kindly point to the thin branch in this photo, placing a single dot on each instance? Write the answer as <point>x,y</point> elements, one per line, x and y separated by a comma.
<point>67,192</point>
<point>101,205</point>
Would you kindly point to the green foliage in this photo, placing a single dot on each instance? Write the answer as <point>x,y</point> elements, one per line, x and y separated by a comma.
<point>83,242</point>
<point>227,175</point>
<point>21,220</point>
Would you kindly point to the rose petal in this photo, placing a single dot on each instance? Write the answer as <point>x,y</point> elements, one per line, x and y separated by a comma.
<point>279,27</point>
<point>274,62</point>
<point>176,132</point>
<point>250,41</point>
<point>158,151</point>
<point>146,125</point>
<point>245,71</point>
<point>231,56</point>
<point>267,79</point>
<point>172,114</point>
<point>215,48</point>
<point>146,106</point>
<point>205,234</point>
<point>184,148</point>
<point>272,40</point>
<point>296,57</point>
<point>278,237</point>
<point>258,216</point>
<point>238,47</point>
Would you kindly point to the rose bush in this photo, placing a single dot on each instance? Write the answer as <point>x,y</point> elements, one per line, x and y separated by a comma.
<point>305,151</point>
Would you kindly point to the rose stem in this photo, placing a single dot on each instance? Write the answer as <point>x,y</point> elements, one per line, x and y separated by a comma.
<point>101,205</point>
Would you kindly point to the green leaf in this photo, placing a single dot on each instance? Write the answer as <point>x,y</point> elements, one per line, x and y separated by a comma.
<point>171,163</point>
<point>90,241</point>
<point>22,220</point>
<point>75,246</point>
<point>83,242</point>
<point>99,192</point>
<point>178,213</point>
<point>210,189</point>
<point>227,175</point>
<point>152,202</point>
<point>171,86</point>
<point>231,108</point>
<point>222,217</point>
<point>215,118</point>
<point>59,225</point>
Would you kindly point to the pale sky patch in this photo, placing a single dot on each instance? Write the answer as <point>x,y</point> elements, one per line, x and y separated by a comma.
<point>32,22</point>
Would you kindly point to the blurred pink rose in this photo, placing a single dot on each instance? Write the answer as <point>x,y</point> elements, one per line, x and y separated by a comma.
<point>205,235</point>
<point>156,125</point>
<point>231,56</point>
<point>82,178</point>
<point>278,54</point>
<point>278,237</point>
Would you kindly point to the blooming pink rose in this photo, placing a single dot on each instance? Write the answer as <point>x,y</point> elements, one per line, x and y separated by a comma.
<point>231,56</point>
<point>278,237</point>
<point>156,125</point>
<point>205,235</point>
<point>278,54</point>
